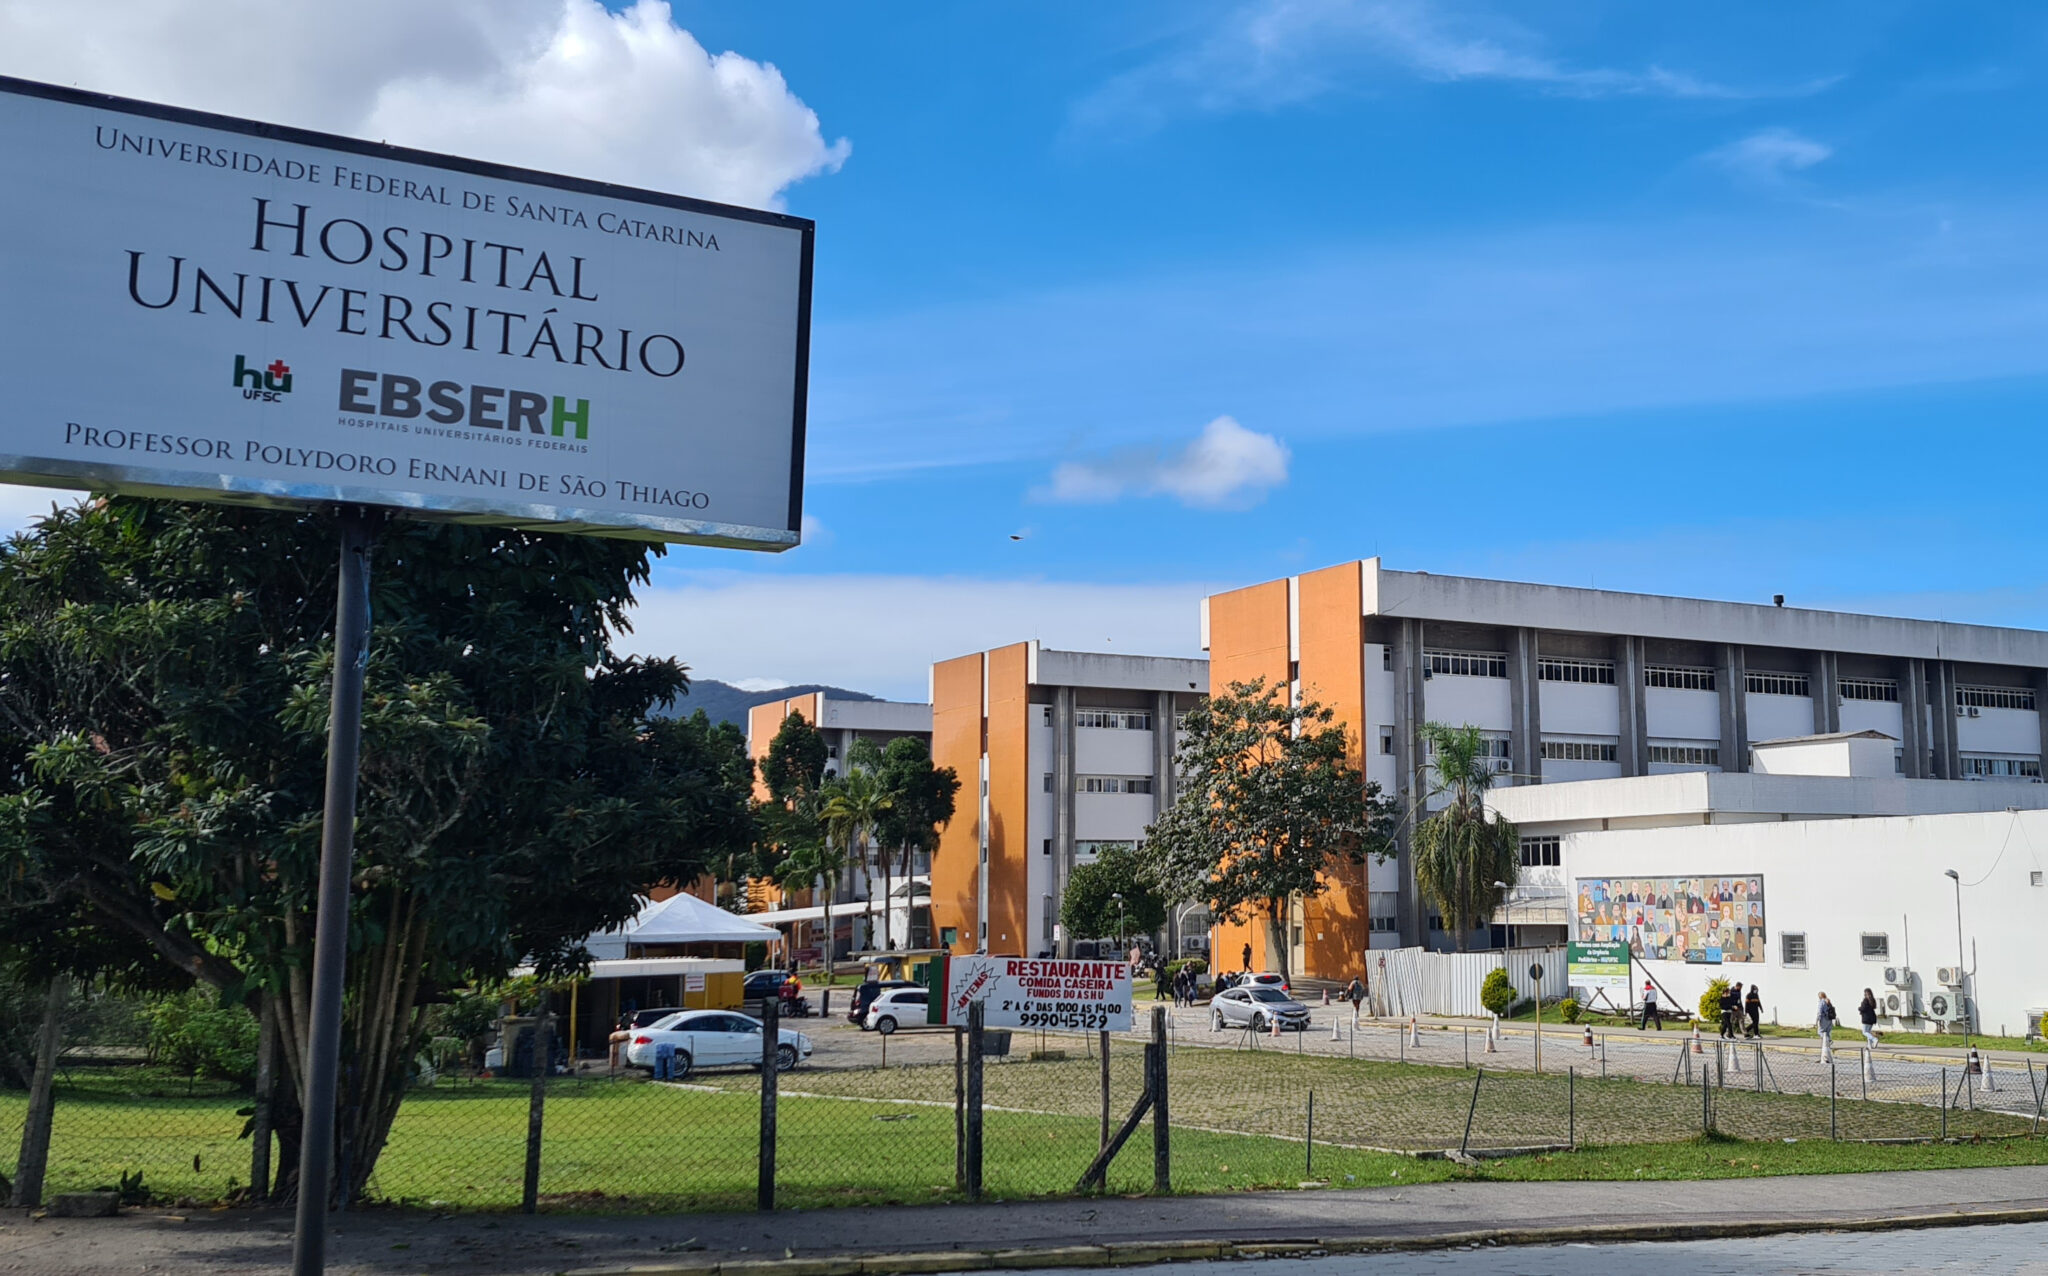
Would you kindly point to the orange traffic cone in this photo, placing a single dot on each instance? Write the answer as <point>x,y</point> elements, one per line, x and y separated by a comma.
<point>1589,1036</point>
<point>1696,1049</point>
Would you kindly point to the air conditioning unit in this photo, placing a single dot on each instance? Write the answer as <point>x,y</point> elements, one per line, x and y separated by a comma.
<point>1895,1004</point>
<point>1949,976</point>
<point>1976,712</point>
<point>1898,976</point>
<point>1941,1006</point>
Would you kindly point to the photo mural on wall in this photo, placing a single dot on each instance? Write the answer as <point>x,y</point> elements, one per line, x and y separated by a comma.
<point>1695,919</point>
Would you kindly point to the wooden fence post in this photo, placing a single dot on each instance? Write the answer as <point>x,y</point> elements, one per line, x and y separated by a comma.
<point>1162,1125</point>
<point>975,1045</point>
<point>35,1129</point>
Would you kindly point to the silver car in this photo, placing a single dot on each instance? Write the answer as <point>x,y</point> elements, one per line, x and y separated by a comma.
<point>1256,1007</point>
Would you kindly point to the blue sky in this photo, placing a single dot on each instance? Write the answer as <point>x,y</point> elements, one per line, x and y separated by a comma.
<point>1732,299</point>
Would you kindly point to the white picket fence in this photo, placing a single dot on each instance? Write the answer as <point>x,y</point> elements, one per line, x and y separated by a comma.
<point>1415,981</point>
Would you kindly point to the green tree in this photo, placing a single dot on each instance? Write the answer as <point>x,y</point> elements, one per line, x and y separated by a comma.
<point>921,802</point>
<point>1090,906</point>
<point>163,705</point>
<point>788,827</point>
<point>853,804</point>
<point>1463,850</point>
<point>1269,803</point>
<point>795,764</point>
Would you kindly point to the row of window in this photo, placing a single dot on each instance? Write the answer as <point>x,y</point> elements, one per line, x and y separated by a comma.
<point>1995,697</point>
<point>2000,768</point>
<point>1468,664</point>
<point>1686,754</point>
<point>1578,751</point>
<point>1541,852</point>
<point>1562,669</point>
<point>1868,689</point>
<point>1112,784</point>
<point>1679,678</point>
<point>1779,684</point>
<point>1114,719</point>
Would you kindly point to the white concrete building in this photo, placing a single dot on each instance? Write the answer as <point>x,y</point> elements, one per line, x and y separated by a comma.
<point>1824,873</point>
<point>1581,684</point>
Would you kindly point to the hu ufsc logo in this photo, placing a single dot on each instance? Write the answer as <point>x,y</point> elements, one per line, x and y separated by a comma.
<point>264,385</point>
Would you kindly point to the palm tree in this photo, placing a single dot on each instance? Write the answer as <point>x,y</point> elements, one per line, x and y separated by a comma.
<point>853,804</point>
<point>1464,861</point>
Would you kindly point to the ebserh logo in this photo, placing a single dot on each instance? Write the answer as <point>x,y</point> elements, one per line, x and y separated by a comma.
<point>265,385</point>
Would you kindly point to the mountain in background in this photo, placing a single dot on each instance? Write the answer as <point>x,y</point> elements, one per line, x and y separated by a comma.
<point>723,702</point>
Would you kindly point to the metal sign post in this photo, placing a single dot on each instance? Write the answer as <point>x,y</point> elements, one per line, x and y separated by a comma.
<point>337,861</point>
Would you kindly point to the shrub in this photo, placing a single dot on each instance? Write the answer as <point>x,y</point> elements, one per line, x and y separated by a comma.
<point>1570,1009</point>
<point>1710,1000</point>
<point>1496,993</point>
<point>193,1033</point>
<point>1193,965</point>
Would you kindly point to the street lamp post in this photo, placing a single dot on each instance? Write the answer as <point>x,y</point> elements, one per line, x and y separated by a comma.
<point>1118,896</point>
<point>1962,972</point>
<point>1509,901</point>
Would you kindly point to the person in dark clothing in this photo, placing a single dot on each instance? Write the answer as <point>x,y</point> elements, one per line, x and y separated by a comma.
<point>1731,1001</point>
<point>1247,956</point>
<point>1355,994</point>
<point>1866,1010</point>
<point>1753,1009</point>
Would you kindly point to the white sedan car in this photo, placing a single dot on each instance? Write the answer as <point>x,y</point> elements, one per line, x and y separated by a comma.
<point>714,1039</point>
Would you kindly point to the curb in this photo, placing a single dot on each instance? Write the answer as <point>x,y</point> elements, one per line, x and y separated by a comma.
<point>925,1263</point>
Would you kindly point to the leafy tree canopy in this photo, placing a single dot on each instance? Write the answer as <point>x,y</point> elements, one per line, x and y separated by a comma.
<point>1269,803</point>
<point>164,674</point>
<point>1089,909</point>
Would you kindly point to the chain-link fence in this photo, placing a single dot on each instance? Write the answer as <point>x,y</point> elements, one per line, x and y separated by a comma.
<point>1033,1116</point>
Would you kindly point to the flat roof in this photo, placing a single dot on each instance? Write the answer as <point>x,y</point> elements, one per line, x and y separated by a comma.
<point>1699,794</point>
<point>1571,609</point>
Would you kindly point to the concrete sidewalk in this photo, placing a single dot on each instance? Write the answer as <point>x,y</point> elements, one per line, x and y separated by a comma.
<point>966,1237</point>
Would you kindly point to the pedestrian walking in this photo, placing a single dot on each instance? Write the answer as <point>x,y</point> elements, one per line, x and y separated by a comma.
<point>1866,1010</point>
<point>1355,994</point>
<point>1731,1001</point>
<point>1753,1010</point>
<point>1824,1019</point>
<point>1650,1010</point>
<point>1247,955</point>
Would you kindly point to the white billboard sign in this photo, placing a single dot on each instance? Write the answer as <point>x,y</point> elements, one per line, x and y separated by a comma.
<point>206,307</point>
<point>1019,992</point>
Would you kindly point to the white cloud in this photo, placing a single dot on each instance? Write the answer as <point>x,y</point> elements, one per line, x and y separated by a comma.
<point>1272,53</point>
<point>1226,466</point>
<point>561,85</point>
<point>1769,155</point>
<point>880,634</point>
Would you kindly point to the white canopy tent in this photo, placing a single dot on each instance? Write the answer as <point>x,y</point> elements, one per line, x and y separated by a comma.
<point>680,919</point>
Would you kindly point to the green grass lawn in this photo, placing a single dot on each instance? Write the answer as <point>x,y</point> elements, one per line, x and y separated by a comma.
<point>870,1135</point>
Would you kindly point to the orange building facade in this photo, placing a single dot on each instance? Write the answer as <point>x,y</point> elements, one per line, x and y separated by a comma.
<point>1058,753</point>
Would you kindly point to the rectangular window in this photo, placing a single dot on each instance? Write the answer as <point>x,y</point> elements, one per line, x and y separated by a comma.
<point>1979,767</point>
<point>1499,750</point>
<point>1578,751</point>
<point>1541,852</point>
<point>1686,754</point>
<point>1679,678</point>
<point>1565,669</point>
<point>1792,949</point>
<point>1387,659</point>
<point>1114,719</point>
<point>1994,697</point>
<point>1778,684</point>
<point>948,936</point>
<point>1048,846</point>
<point>1386,925</point>
<point>1869,689</point>
<point>1436,921</point>
<point>1387,741</point>
<point>1048,781</point>
<point>1876,947</point>
<point>1467,664</point>
<point>1113,784</point>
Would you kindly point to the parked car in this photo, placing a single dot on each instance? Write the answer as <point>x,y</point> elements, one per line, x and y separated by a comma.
<point>714,1039</point>
<point>763,983</point>
<point>898,1007</point>
<point>1267,979</point>
<point>1257,1008</point>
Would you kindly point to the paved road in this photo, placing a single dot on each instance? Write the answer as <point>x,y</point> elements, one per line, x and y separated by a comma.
<point>1983,1251</point>
<point>389,1242</point>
